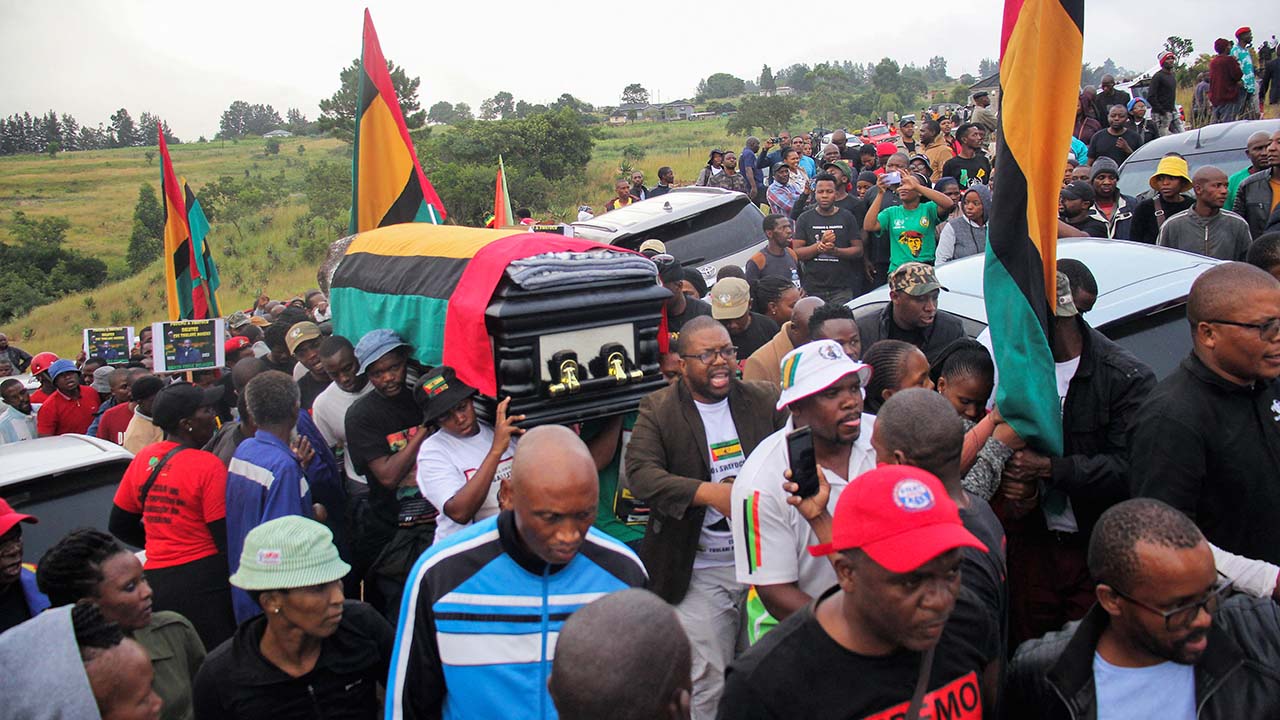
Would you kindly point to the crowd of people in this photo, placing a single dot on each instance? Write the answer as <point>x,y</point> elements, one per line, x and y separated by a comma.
<point>819,516</point>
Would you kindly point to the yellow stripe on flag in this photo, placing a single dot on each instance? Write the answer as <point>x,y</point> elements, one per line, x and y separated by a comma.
<point>385,164</point>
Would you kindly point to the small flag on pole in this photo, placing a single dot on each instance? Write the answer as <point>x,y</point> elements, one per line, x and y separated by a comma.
<point>1040,53</point>
<point>387,183</point>
<point>502,216</point>
<point>191,276</point>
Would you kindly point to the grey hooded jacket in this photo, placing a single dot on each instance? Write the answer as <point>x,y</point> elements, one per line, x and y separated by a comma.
<point>41,674</point>
<point>960,237</point>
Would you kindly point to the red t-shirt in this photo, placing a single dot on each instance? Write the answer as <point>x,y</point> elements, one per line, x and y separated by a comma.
<point>190,492</point>
<point>39,396</point>
<point>60,414</point>
<point>114,422</point>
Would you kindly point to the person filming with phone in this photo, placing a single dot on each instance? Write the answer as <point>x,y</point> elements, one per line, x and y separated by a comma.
<point>822,388</point>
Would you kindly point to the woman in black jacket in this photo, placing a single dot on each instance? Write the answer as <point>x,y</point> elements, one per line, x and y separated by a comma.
<point>311,654</point>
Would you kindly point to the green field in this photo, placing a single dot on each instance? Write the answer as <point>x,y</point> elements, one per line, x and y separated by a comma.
<point>97,191</point>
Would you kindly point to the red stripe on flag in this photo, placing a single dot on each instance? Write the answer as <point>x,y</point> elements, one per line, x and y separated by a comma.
<point>1012,8</point>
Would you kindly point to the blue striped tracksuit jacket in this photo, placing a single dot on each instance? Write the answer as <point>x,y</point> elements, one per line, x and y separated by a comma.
<point>480,618</point>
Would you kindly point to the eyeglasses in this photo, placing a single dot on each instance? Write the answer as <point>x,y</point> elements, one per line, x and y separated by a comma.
<point>1267,331</point>
<point>729,353</point>
<point>1181,618</point>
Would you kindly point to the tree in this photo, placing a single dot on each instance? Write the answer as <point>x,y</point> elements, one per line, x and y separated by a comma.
<point>1180,47</point>
<point>770,113</point>
<point>568,101</point>
<point>272,147</point>
<point>48,231</point>
<point>234,199</point>
<point>887,76</point>
<point>936,70</point>
<point>147,239</point>
<point>767,83</point>
<point>53,148</point>
<point>635,94</point>
<point>719,85</point>
<point>987,67</point>
<point>328,189</point>
<point>149,128</point>
<point>959,94</point>
<point>500,105</point>
<point>123,132</point>
<point>338,112</point>
<point>462,111</point>
<point>297,123</point>
<point>441,112</point>
<point>70,133</point>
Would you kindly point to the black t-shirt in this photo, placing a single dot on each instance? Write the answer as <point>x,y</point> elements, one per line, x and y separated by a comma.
<point>13,606</point>
<point>310,388</point>
<point>692,309</point>
<point>968,171</point>
<point>1145,228</point>
<point>757,335</point>
<point>1095,228</point>
<point>379,426</point>
<point>914,336</point>
<point>827,273</point>
<point>1103,144</point>
<point>798,671</point>
<point>985,573</point>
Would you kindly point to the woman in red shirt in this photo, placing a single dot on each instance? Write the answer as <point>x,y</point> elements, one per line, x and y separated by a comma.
<point>172,502</point>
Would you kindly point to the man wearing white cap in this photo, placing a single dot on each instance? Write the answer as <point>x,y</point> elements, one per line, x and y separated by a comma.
<point>822,388</point>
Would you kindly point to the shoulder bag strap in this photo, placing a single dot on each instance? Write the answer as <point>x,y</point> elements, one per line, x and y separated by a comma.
<point>155,473</point>
<point>922,685</point>
<point>1159,212</point>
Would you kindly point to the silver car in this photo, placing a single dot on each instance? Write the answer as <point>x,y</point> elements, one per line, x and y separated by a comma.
<point>67,481</point>
<point>1142,295</point>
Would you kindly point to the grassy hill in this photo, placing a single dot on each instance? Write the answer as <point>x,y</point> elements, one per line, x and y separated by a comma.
<point>97,191</point>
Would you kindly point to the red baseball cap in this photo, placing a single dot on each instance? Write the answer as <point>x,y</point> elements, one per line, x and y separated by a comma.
<point>900,516</point>
<point>10,517</point>
<point>234,343</point>
<point>886,148</point>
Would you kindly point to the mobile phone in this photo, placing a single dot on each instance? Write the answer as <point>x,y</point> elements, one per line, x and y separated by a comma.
<point>804,464</point>
<point>893,178</point>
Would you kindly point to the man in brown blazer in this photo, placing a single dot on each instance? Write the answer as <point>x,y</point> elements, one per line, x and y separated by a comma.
<point>764,364</point>
<point>688,444</point>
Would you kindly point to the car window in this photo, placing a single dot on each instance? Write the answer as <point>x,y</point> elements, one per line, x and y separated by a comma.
<point>710,235</point>
<point>62,503</point>
<point>1161,339</point>
<point>1134,176</point>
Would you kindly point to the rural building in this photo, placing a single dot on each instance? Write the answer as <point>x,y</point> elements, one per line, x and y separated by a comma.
<point>278,134</point>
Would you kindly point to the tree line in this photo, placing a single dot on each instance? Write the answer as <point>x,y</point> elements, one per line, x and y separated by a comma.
<point>52,133</point>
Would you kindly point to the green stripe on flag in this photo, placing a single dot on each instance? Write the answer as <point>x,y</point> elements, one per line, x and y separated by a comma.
<point>420,320</point>
<point>1024,361</point>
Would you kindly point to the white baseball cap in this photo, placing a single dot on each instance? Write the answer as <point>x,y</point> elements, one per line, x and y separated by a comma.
<point>814,367</point>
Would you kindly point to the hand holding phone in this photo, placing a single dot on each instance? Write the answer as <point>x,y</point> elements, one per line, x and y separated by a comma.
<point>893,178</point>
<point>803,462</point>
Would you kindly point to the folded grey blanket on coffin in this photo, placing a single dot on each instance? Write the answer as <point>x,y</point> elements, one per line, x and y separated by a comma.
<point>574,268</point>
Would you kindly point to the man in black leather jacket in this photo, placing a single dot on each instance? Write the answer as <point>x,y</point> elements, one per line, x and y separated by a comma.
<point>1163,639</point>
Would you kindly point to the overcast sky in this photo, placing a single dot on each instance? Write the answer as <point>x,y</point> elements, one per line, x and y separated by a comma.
<point>188,61</point>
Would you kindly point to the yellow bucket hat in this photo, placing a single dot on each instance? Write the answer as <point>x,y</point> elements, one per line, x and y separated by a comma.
<point>1172,166</point>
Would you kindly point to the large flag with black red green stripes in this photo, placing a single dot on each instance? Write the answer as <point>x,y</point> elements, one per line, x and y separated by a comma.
<point>1040,53</point>
<point>191,276</point>
<point>387,183</point>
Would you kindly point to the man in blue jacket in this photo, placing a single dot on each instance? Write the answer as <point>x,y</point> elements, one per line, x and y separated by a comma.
<point>19,599</point>
<point>265,479</point>
<point>483,608</point>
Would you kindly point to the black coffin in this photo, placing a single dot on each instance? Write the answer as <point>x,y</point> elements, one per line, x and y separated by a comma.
<point>535,333</point>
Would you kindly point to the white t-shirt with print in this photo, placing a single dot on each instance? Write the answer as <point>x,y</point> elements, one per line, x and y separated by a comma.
<point>330,413</point>
<point>771,538</point>
<point>446,462</point>
<point>715,544</point>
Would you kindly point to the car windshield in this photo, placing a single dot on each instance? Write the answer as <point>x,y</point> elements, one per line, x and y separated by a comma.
<point>1134,175</point>
<point>62,503</point>
<point>708,236</point>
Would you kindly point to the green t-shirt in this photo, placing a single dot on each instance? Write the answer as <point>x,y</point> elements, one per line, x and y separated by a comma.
<point>1233,185</point>
<point>618,512</point>
<point>913,234</point>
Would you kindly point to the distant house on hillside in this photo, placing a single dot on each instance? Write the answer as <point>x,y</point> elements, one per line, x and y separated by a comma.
<point>678,110</point>
<point>277,134</point>
<point>631,112</point>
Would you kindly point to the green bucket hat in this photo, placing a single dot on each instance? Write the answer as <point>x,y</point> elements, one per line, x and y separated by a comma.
<point>286,553</point>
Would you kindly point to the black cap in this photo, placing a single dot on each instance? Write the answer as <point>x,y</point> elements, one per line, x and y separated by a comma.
<point>439,391</point>
<point>1078,190</point>
<point>981,93</point>
<point>669,269</point>
<point>180,401</point>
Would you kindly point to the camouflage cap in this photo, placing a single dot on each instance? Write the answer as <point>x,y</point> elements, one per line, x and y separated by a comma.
<point>915,278</point>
